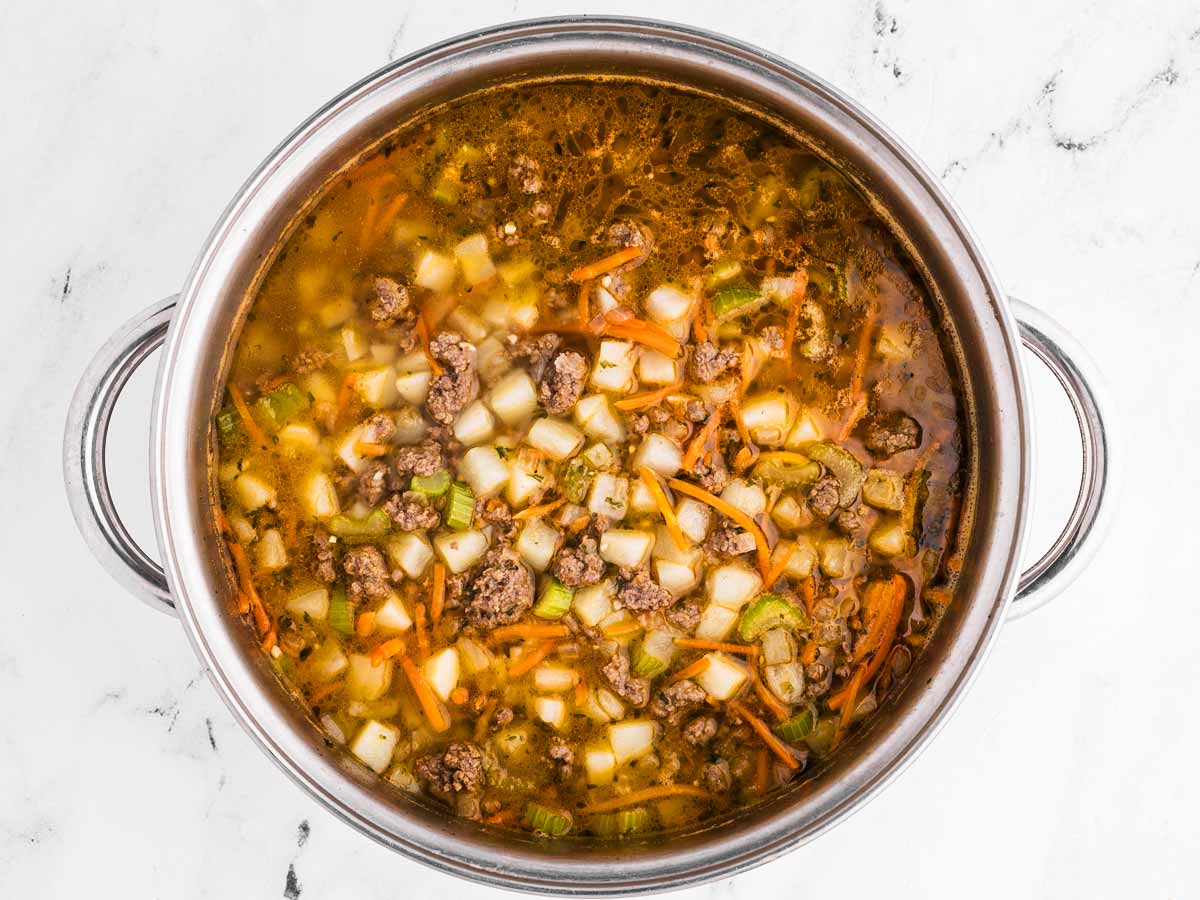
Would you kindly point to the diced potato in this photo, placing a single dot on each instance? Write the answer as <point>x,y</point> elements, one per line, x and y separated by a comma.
<point>354,344</point>
<point>320,496</point>
<point>413,387</point>
<point>837,558</point>
<point>656,368</point>
<point>786,681</point>
<point>658,453</point>
<point>392,617</point>
<point>441,672</point>
<point>889,538</point>
<point>375,743</point>
<point>770,416</point>
<point>484,470</point>
<point>272,555</point>
<point>327,662</point>
<point>613,371</point>
<point>693,517</point>
<point>625,547</point>
<point>666,548</point>
<point>377,387</point>
<point>551,710</point>
<point>461,549</point>
<point>319,385</point>
<point>884,489</point>
<point>473,257</point>
<point>253,492</point>
<point>475,424</point>
<point>746,496</point>
<point>513,742</point>
<point>724,676</point>
<point>347,450</point>
<point>366,681</point>
<point>609,496</point>
<point>807,430</point>
<point>668,304</point>
<point>598,420</point>
<point>526,480</point>
<point>632,739</point>
<point>732,585</point>
<point>599,763</point>
<point>675,577</point>
<point>802,560</point>
<point>893,344</point>
<point>467,324</point>
<point>598,456</point>
<point>312,602</point>
<point>640,498</point>
<point>788,514</point>
<point>242,529</point>
<point>492,360</point>
<point>553,679</point>
<point>411,552</point>
<point>716,622</point>
<point>594,602</point>
<point>557,438</point>
<point>514,398</point>
<point>335,312</point>
<point>537,543</point>
<point>299,436</point>
<point>436,272</point>
<point>411,426</point>
<point>475,657</point>
<point>610,704</point>
<point>516,271</point>
<point>778,646</point>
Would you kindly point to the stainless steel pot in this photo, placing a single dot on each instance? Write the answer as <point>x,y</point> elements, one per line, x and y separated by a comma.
<point>196,327</point>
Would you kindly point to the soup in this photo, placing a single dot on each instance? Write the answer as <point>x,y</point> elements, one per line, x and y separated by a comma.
<point>590,461</point>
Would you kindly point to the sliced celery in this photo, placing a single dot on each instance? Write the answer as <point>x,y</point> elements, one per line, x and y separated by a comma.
<point>653,653</point>
<point>798,727</point>
<point>432,485</point>
<point>843,465</point>
<point>618,824</point>
<point>276,407</point>
<point>734,299</point>
<point>767,612</point>
<point>341,616</point>
<point>230,432</point>
<point>460,508</point>
<point>374,525</point>
<point>547,820</point>
<point>554,600</point>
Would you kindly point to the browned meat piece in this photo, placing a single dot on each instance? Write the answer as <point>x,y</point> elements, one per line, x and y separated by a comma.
<point>773,339</point>
<point>389,302</point>
<point>502,716</point>
<point>579,565</point>
<point>375,481</point>
<point>368,573</point>
<point>630,234</point>
<point>456,587</point>
<point>716,777</point>
<point>562,382</point>
<point>891,434</point>
<point>411,511</point>
<point>500,592</point>
<point>310,360</point>
<point>423,459</point>
<point>459,382</point>
<point>536,351</point>
<point>709,362</point>
<point>823,496</point>
<point>630,688</point>
<point>712,475</point>
<point>700,731</point>
<point>639,424</point>
<point>562,756</point>
<point>525,175</point>
<point>496,512</point>
<point>684,615</point>
<point>849,521</point>
<point>677,697</point>
<point>459,770</point>
<point>715,230</point>
<point>378,429</point>
<point>696,412</point>
<point>729,541</point>
<point>323,558</point>
<point>641,593</point>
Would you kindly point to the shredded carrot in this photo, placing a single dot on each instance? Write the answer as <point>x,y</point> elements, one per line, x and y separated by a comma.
<point>252,427</point>
<point>531,658</point>
<point>854,417</point>
<point>422,632</point>
<point>389,648</point>
<point>769,700</point>
<point>699,644</point>
<point>605,265</point>
<point>371,449</point>
<point>323,693</point>
<point>779,568</point>
<point>850,701</point>
<point>649,398</point>
<point>268,643</point>
<point>646,795</point>
<point>743,432</point>
<point>881,633</point>
<point>364,626</point>
<point>762,771</point>
<point>623,629</point>
<point>581,692</point>
<point>526,631</point>
<point>579,524</point>
<point>664,506</point>
<point>383,221</point>
<point>646,333</point>
<point>690,670</point>
<point>698,323</point>
<point>582,303</point>
<point>437,593</point>
<point>459,696</point>
<point>793,319</point>
<point>504,817</point>
<point>423,334</point>
<point>861,355</point>
<point>764,731</point>
<point>732,512</point>
<point>808,593</point>
<point>346,394</point>
<point>700,441</point>
<point>485,719</point>
<point>536,512</point>
<point>243,603</point>
<point>425,696</point>
<point>248,599</point>
<point>808,655</point>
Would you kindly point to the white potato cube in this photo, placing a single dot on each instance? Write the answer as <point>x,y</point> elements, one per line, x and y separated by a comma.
<point>723,677</point>
<point>514,397</point>
<point>253,492</point>
<point>436,272</point>
<point>677,578</point>
<point>272,555</point>
<point>475,424</point>
<point>553,679</point>
<point>411,552</point>
<point>467,324</point>
<point>441,671</point>
<point>377,387</point>
<point>537,543</point>
<point>375,743</point>
<point>656,368</point>
<point>594,602</point>
<point>525,480</point>
<point>807,430</point>
<point>609,496</point>
<point>599,763</point>
<point>716,622</point>
<point>484,470</point>
<point>492,360</point>
<point>732,585</point>
<point>320,496</point>
<point>837,558</point>
<point>475,657</point>
<point>413,387</point>
<point>312,602</point>
<point>392,617</point>
<point>693,518</point>
<point>668,304</point>
<point>769,416</point>
<point>474,259</point>
<point>746,496</point>
<point>557,438</point>
<point>365,680</point>
<point>598,419</point>
<point>347,450</point>
<point>640,498</point>
<point>660,454</point>
<point>613,371</point>
<point>632,739</point>
<point>354,344</point>
<point>299,436</point>
<point>551,710</point>
<point>802,560</point>
<point>327,662</point>
<point>460,550</point>
<point>625,546</point>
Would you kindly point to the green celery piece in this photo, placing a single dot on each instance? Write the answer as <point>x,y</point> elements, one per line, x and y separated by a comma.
<point>460,507</point>
<point>798,727</point>
<point>341,616</point>
<point>277,407</point>
<point>554,601</point>
<point>547,820</point>
<point>432,485</point>
<point>767,612</point>
<point>730,299</point>
<point>374,525</point>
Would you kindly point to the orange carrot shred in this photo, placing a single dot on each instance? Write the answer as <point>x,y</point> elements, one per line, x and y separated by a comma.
<point>422,633</point>
<point>649,398</point>
<point>762,771</point>
<point>698,324</point>
<point>383,222</point>
<point>764,731</point>
<point>485,719</point>
<point>732,512</point>
<point>459,696</point>
<point>437,593</point>
<point>371,449</point>
<point>664,506</point>
<point>690,670</point>
<point>793,319</point>
<point>699,644</point>
<point>808,593</point>
<point>252,427</point>
<point>423,334</point>
<point>526,631</point>
<point>646,795</point>
<point>779,568</point>
<point>581,692</point>
<point>647,333</point>
<point>623,629</point>
<point>504,817</point>
<point>389,648</point>
<point>582,303</point>
<point>531,658</point>
<point>364,626</point>
<point>769,700</point>
<point>849,703</point>
<point>605,265</point>
<point>536,512</point>
<point>425,696</point>
<point>346,394</point>
<point>701,440</point>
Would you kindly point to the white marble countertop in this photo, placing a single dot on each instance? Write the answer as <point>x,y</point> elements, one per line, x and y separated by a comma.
<point>1067,130</point>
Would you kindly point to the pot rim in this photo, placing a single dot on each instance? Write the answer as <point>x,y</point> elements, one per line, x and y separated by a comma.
<point>448,847</point>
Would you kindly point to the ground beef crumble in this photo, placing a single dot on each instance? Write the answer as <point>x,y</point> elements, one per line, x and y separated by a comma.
<point>411,511</point>
<point>641,593</point>
<point>709,362</point>
<point>458,770</point>
<point>628,687</point>
<point>459,382</point>
<point>562,382</point>
<point>500,592</point>
<point>423,459</point>
<point>677,697</point>
<point>368,573</point>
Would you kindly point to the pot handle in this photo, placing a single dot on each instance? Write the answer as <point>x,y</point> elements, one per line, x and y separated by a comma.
<point>1088,523</point>
<point>85,469</point>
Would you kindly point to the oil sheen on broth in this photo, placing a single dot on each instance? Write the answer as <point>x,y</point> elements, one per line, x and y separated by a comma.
<point>590,463</point>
